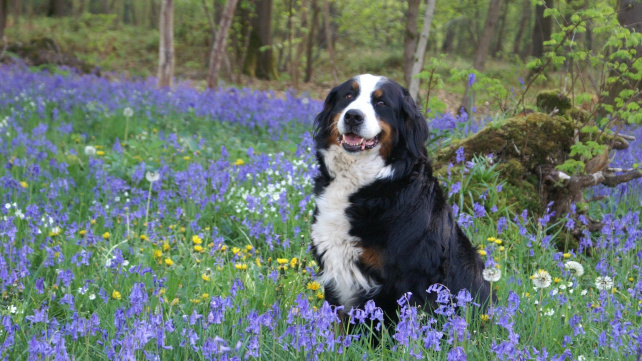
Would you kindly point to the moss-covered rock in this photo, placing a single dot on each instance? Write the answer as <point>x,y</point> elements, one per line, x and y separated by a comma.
<point>548,101</point>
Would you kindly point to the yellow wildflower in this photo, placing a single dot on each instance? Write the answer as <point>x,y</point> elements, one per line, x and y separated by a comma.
<point>258,261</point>
<point>630,279</point>
<point>236,250</point>
<point>320,295</point>
<point>498,241</point>
<point>282,260</point>
<point>314,285</point>
<point>198,248</point>
<point>205,277</point>
<point>24,184</point>
<point>223,248</point>
<point>165,246</point>
<point>239,162</point>
<point>106,235</point>
<point>115,295</point>
<point>484,317</point>
<point>293,262</point>
<point>174,301</point>
<point>143,237</point>
<point>168,261</point>
<point>240,266</point>
<point>566,255</point>
<point>158,253</point>
<point>100,152</point>
<point>205,296</point>
<point>502,248</point>
<point>481,252</point>
<point>196,239</point>
<point>557,280</point>
<point>82,232</point>
<point>186,157</point>
<point>93,221</point>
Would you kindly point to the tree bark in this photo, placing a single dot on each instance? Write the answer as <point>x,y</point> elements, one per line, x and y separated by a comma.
<point>543,28</point>
<point>259,59</point>
<point>166,45</point>
<point>218,49</point>
<point>421,49</point>
<point>4,9</point>
<point>328,38</point>
<point>526,14</point>
<point>57,8</point>
<point>499,42</point>
<point>310,43</point>
<point>487,34</point>
<point>481,53</point>
<point>410,38</point>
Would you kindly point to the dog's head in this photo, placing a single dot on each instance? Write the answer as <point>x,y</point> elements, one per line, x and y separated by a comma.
<point>371,113</point>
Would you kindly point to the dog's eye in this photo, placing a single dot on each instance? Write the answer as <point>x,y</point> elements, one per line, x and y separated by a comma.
<point>349,96</point>
<point>380,102</point>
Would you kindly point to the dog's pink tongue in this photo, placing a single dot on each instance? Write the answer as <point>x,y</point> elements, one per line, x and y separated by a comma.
<point>352,138</point>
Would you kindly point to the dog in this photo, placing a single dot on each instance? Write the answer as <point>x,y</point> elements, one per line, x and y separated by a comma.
<point>381,225</point>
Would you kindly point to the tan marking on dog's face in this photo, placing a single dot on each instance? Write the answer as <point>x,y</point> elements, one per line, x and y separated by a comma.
<point>372,258</point>
<point>333,138</point>
<point>377,93</point>
<point>385,139</point>
<point>355,85</point>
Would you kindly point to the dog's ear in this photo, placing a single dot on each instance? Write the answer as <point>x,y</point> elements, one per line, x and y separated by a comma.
<point>415,127</point>
<point>321,121</point>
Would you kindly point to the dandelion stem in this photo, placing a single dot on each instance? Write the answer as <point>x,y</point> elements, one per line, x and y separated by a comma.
<point>149,197</point>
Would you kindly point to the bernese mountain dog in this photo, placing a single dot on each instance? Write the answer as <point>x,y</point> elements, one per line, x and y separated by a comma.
<point>382,226</point>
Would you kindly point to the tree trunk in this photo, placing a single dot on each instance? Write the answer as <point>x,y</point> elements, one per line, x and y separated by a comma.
<point>300,48</point>
<point>481,53</point>
<point>57,8</point>
<point>410,38</point>
<point>543,28</point>
<point>218,49</point>
<point>153,14</point>
<point>4,9</point>
<point>499,42</point>
<point>421,49</point>
<point>166,45</point>
<point>310,44</point>
<point>328,38</point>
<point>259,59</point>
<point>487,34</point>
<point>526,14</point>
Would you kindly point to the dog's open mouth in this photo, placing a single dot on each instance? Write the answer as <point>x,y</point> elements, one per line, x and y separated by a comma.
<point>355,143</point>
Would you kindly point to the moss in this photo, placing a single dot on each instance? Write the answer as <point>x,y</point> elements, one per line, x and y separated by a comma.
<point>549,100</point>
<point>578,114</point>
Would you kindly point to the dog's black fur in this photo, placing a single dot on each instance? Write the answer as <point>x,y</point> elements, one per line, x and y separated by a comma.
<point>405,230</point>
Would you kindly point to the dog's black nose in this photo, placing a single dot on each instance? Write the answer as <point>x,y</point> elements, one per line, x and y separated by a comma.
<point>353,117</point>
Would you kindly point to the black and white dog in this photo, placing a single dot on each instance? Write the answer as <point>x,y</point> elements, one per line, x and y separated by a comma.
<point>382,226</point>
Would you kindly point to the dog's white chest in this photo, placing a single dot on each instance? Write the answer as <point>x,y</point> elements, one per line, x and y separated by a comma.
<point>330,231</point>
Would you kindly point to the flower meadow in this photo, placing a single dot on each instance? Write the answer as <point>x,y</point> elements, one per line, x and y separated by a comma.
<point>146,224</point>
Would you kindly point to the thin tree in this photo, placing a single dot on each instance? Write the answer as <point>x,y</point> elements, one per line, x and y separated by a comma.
<point>4,9</point>
<point>526,14</point>
<point>328,38</point>
<point>420,50</point>
<point>166,45</point>
<point>543,27</point>
<point>218,49</point>
<point>310,42</point>
<point>410,39</point>
<point>481,53</point>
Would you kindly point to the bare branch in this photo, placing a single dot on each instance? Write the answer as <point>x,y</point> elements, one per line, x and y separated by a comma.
<point>612,180</point>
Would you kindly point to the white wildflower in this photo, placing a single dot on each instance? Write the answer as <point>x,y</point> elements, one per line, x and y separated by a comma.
<point>128,112</point>
<point>542,279</point>
<point>604,283</point>
<point>90,150</point>
<point>492,274</point>
<point>12,309</point>
<point>92,296</point>
<point>152,176</point>
<point>575,268</point>
<point>584,292</point>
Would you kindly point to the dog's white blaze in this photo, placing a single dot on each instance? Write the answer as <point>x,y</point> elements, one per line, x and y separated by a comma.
<point>330,232</point>
<point>367,85</point>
